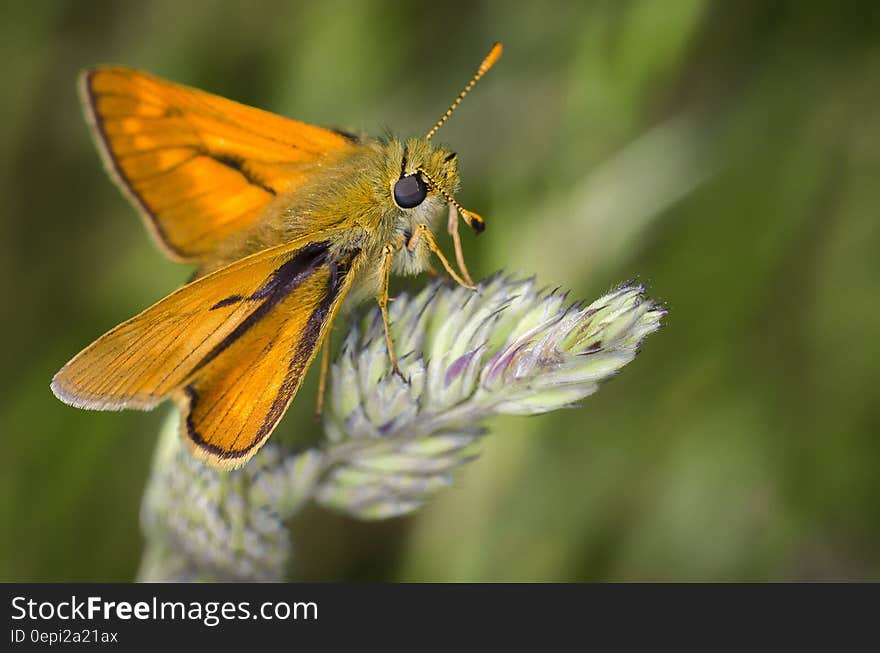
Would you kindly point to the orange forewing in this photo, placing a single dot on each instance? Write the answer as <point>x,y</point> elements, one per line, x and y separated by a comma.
<point>231,348</point>
<point>199,167</point>
<point>231,405</point>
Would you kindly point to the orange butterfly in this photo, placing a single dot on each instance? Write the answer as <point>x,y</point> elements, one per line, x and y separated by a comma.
<point>285,220</point>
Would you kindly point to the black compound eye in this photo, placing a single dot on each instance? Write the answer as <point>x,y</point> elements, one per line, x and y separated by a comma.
<point>410,191</point>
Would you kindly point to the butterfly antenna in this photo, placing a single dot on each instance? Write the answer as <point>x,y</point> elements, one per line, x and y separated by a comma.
<point>474,220</point>
<point>488,62</point>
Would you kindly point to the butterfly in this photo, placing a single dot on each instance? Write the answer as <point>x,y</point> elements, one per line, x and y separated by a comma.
<point>285,221</point>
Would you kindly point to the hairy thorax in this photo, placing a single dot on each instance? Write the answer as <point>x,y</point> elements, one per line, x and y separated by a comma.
<point>349,203</point>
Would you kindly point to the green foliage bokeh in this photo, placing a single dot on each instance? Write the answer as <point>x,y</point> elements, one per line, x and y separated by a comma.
<point>728,154</point>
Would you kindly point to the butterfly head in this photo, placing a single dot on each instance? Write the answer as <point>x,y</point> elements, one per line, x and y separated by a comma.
<point>427,169</point>
<point>429,173</point>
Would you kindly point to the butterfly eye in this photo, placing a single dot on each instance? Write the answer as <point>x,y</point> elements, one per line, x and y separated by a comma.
<point>410,191</point>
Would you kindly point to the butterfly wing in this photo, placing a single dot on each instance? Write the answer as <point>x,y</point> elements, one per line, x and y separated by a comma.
<point>198,166</point>
<point>231,348</point>
<point>232,403</point>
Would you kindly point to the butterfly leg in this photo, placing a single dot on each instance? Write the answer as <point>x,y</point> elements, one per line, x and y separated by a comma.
<point>322,380</point>
<point>424,231</point>
<point>452,228</point>
<point>382,300</point>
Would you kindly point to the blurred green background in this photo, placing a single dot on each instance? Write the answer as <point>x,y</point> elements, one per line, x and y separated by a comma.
<point>728,154</point>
